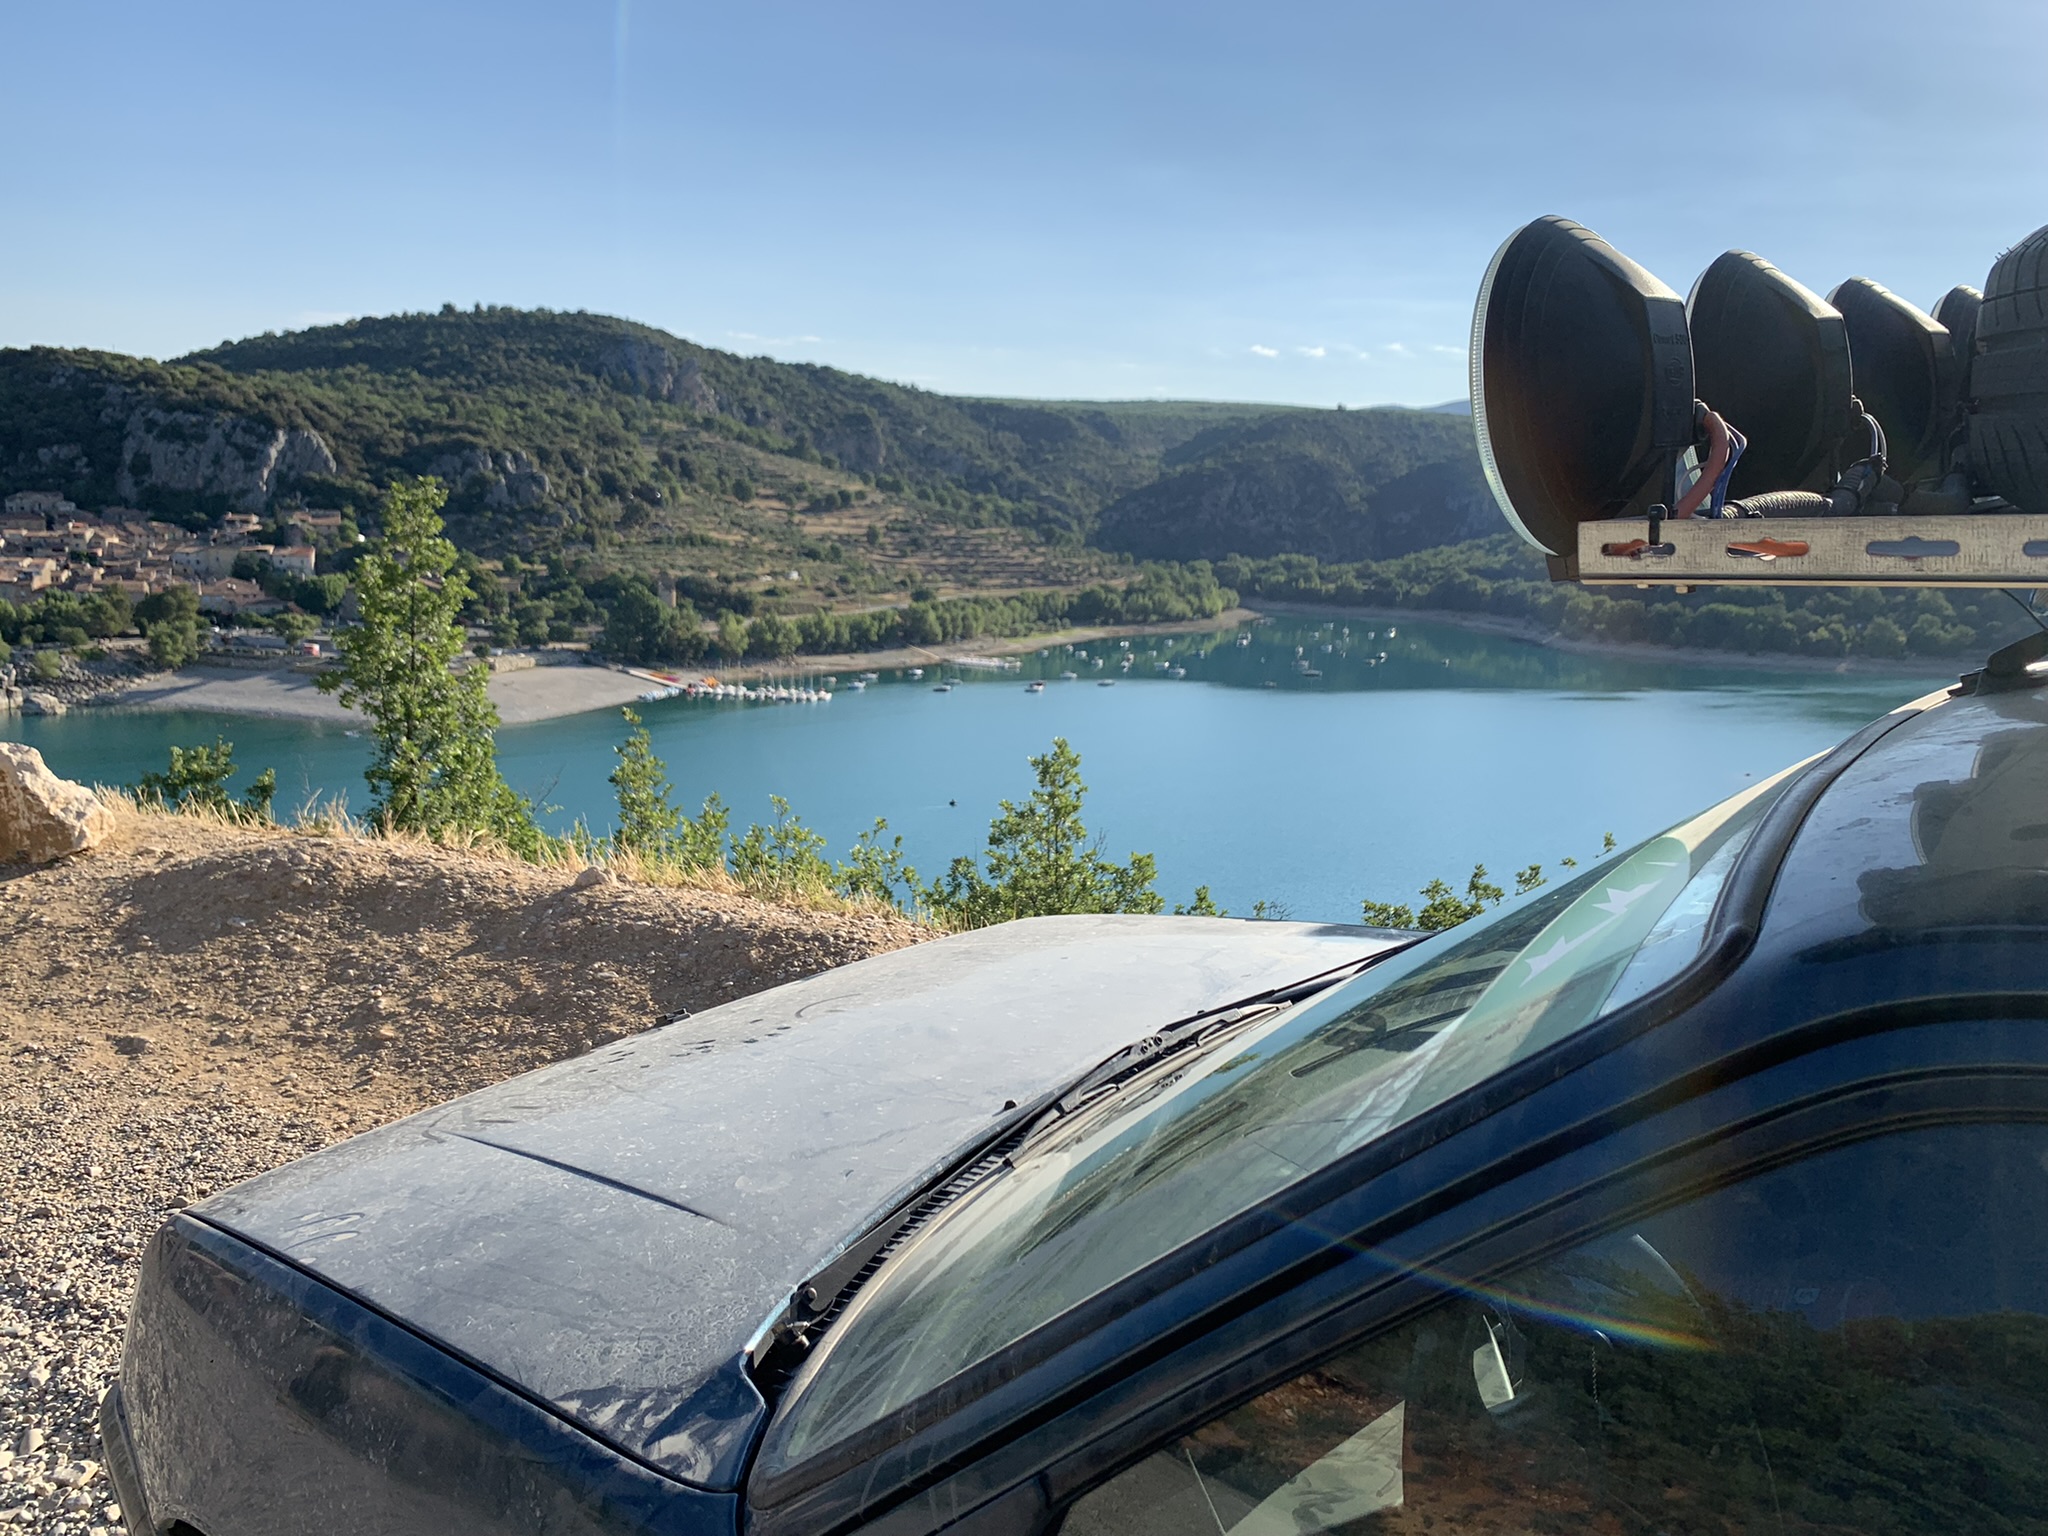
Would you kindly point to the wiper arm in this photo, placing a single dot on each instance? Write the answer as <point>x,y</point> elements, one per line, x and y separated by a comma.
<point>818,1301</point>
<point>1196,1030</point>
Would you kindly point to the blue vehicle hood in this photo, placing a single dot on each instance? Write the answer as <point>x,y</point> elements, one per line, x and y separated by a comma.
<point>609,1233</point>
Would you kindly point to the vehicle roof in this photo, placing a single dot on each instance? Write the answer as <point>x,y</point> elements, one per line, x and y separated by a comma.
<point>1935,838</point>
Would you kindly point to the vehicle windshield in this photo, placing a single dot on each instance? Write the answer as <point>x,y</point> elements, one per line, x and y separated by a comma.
<point>1173,1154</point>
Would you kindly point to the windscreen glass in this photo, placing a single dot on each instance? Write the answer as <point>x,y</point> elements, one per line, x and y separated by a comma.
<point>1109,1189</point>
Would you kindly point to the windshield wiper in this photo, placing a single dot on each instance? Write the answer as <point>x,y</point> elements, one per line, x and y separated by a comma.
<point>1195,1031</point>
<point>818,1301</point>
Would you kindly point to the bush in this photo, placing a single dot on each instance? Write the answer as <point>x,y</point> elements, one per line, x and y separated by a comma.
<point>785,857</point>
<point>1040,860</point>
<point>198,776</point>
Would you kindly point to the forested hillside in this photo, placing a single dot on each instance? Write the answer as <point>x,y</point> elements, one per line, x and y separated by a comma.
<point>597,467</point>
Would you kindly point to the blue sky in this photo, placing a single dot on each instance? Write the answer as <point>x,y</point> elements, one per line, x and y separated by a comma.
<point>1271,201</point>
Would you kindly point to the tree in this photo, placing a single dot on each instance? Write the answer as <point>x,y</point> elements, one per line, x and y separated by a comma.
<point>783,856</point>
<point>436,764</point>
<point>170,620</point>
<point>773,635</point>
<point>732,635</point>
<point>647,818</point>
<point>1441,907</point>
<point>641,628</point>
<point>173,643</point>
<point>1040,859</point>
<point>874,872</point>
<point>198,776</point>
<point>295,626</point>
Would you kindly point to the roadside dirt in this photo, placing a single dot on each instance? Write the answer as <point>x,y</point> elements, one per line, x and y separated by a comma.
<point>192,1004</point>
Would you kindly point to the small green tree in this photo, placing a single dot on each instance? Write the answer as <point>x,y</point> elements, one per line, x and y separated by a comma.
<point>198,776</point>
<point>732,635</point>
<point>170,621</point>
<point>1040,859</point>
<point>295,626</point>
<point>784,856</point>
<point>1441,907</point>
<point>877,872</point>
<point>1204,905</point>
<point>647,817</point>
<point>436,765</point>
<point>700,839</point>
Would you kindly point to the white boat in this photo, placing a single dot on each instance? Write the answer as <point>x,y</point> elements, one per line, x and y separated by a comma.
<point>1068,677</point>
<point>858,685</point>
<point>915,673</point>
<point>1177,672</point>
<point>943,688</point>
<point>1105,682</point>
<point>1037,687</point>
<point>871,677</point>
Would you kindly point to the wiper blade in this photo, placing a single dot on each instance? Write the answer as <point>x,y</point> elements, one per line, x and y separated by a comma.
<point>817,1302</point>
<point>1197,1030</point>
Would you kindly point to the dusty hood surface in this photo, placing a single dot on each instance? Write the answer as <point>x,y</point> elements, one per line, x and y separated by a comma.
<point>610,1232</point>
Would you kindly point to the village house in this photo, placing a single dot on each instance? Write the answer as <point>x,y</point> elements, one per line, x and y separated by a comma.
<point>296,558</point>
<point>235,596</point>
<point>210,562</point>
<point>38,504</point>
<point>21,580</point>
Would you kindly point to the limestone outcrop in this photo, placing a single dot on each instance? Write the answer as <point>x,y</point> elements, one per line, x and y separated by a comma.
<point>235,457</point>
<point>43,817</point>
<point>511,482</point>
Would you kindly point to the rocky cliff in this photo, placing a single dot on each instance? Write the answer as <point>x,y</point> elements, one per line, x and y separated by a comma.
<point>231,459</point>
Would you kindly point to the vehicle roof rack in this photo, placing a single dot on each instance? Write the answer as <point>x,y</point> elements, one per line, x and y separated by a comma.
<point>1993,549</point>
<point>1756,434</point>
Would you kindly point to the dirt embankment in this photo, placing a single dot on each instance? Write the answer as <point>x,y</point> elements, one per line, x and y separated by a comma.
<point>191,1004</point>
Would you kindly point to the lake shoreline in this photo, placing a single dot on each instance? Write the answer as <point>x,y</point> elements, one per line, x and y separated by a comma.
<point>523,697</point>
<point>535,694</point>
<point>1625,650</point>
<point>899,657</point>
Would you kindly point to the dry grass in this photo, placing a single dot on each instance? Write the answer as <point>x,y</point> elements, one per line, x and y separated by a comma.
<point>330,817</point>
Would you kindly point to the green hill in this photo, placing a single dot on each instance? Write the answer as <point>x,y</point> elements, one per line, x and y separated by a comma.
<point>1338,485</point>
<point>587,433</point>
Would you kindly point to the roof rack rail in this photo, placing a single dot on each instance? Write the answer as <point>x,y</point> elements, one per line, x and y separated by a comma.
<point>1996,549</point>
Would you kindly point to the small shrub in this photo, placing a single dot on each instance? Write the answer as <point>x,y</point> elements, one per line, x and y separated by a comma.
<point>197,778</point>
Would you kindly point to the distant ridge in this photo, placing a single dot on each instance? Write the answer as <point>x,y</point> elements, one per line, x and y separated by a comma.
<point>623,444</point>
<point>1459,407</point>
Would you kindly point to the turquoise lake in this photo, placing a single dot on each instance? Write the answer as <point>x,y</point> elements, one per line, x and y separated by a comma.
<point>1246,775</point>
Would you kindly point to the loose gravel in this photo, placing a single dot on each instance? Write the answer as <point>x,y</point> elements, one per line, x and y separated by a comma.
<point>192,1004</point>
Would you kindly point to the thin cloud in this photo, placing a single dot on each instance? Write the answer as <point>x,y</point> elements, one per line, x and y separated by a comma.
<point>1259,351</point>
<point>1313,351</point>
<point>1451,351</point>
<point>1397,347</point>
<point>773,341</point>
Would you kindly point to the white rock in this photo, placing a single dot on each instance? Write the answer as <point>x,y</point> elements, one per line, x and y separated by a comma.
<point>28,1442</point>
<point>43,817</point>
